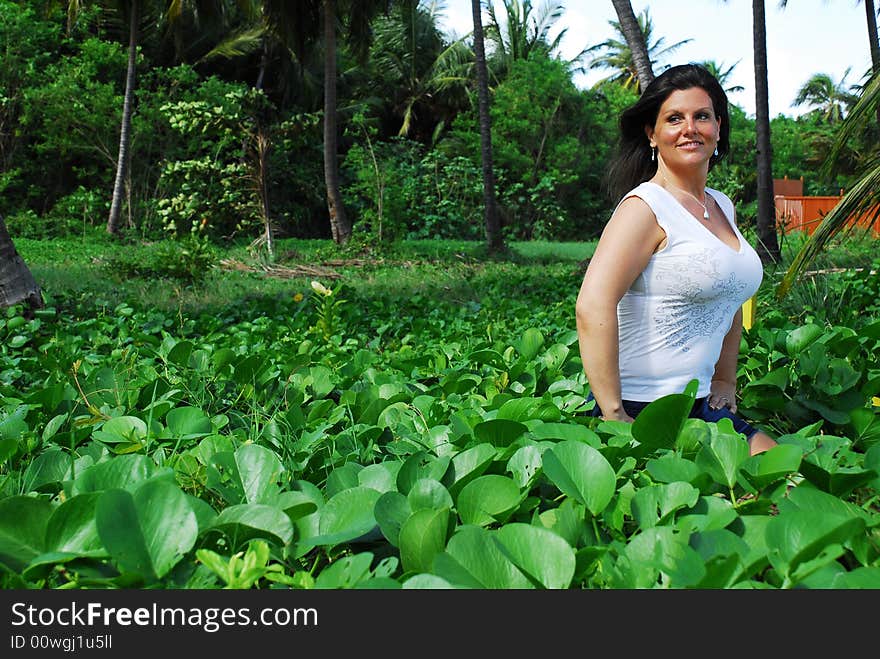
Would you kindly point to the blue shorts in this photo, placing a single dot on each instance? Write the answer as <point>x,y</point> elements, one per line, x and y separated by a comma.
<point>700,410</point>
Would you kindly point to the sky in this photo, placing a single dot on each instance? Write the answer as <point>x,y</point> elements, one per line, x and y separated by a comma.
<point>805,38</point>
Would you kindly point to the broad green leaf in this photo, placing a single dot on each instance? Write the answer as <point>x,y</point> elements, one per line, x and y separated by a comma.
<point>545,557</point>
<point>773,465</point>
<point>423,536</point>
<point>525,465</point>
<point>421,465</point>
<point>654,504</point>
<point>146,531</point>
<point>428,493</point>
<point>120,472</point>
<point>499,432</point>
<point>658,424</point>
<point>391,511</point>
<point>23,523</point>
<point>566,431</point>
<point>474,558</point>
<point>660,550</point>
<point>122,429</point>
<point>707,514</point>
<point>468,464</point>
<point>426,582</point>
<point>670,467</point>
<point>723,457</point>
<point>381,476</point>
<point>529,343</point>
<point>73,526</point>
<point>347,572</point>
<point>346,516</point>
<point>48,468</point>
<point>188,423</point>
<point>581,472</point>
<point>797,536</point>
<point>798,339</point>
<point>488,499</point>
<point>243,522</point>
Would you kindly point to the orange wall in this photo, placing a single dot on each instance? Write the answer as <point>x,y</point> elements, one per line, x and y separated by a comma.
<point>796,213</point>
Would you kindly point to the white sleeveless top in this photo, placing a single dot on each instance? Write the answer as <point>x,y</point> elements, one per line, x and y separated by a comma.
<point>675,315</point>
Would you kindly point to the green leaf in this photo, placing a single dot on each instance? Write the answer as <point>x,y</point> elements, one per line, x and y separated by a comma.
<point>23,522</point>
<point>581,472</point>
<point>468,464</point>
<point>188,423</point>
<point>474,558</point>
<point>122,429</point>
<point>545,557</point>
<point>346,516</point>
<point>773,465</point>
<point>723,457</point>
<point>146,531</point>
<point>488,499</point>
<point>658,424</point>
<point>799,339</point>
<point>423,536</point>
<point>120,472</point>
<point>243,522</point>
<point>428,493</point>
<point>391,511</point>
<point>529,344</point>
<point>499,432</point>
<point>654,504</point>
<point>797,536</point>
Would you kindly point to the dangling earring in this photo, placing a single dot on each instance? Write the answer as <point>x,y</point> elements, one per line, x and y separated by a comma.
<point>653,153</point>
<point>716,150</point>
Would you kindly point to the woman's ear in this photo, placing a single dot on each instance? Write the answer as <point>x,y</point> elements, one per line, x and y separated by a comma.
<point>649,132</point>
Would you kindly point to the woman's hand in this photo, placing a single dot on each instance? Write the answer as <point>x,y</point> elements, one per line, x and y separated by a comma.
<point>722,394</point>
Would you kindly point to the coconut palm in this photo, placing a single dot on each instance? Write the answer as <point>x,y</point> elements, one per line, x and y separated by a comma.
<point>723,74</point>
<point>494,239</point>
<point>768,243</point>
<point>415,73</point>
<point>862,199</point>
<point>523,31</point>
<point>830,99</point>
<point>297,24</point>
<point>636,40</point>
<point>616,53</point>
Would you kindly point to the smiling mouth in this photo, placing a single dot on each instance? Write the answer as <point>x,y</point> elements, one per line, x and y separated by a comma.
<point>690,144</point>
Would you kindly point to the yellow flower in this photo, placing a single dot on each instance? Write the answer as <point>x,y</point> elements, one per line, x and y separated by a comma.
<point>297,297</point>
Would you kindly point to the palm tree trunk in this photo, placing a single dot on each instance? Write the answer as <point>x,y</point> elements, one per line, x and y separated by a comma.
<point>629,25</point>
<point>113,221</point>
<point>494,239</point>
<point>768,246</point>
<point>340,226</point>
<point>871,15</point>
<point>17,284</point>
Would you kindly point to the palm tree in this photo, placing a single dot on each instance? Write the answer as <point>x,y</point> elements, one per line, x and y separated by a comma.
<point>830,99</point>
<point>863,198</point>
<point>494,239</point>
<point>768,244</point>
<point>723,74</point>
<point>618,55</point>
<point>415,72</point>
<point>17,284</point>
<point>873,42</point>
<point>296,23</point>
<point>522,32</point>
<point>636,40</point>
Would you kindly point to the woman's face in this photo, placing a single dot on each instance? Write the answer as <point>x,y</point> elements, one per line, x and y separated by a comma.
<point>687,129</point>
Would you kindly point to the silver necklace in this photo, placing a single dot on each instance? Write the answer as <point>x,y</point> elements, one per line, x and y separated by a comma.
<point>701,203</point>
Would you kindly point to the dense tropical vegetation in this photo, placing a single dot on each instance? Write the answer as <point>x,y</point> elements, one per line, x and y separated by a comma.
<point>303,356</point>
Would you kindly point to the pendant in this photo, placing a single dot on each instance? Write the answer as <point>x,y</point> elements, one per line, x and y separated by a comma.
<point>706,214</point>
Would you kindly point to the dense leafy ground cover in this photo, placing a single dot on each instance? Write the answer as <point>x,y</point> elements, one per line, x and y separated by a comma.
<point>417,420</point>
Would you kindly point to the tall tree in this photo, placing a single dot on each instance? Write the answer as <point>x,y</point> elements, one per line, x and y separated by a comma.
<point>768,244</point>
<point>17,284</point>
<point>635,39</point>
<point>722,74</point>
<point>494,239</point>
<point>296,23</point>
<point>617,53</point>
<point>829,99</point>
<point>114,219</point>
<point>873,40</point>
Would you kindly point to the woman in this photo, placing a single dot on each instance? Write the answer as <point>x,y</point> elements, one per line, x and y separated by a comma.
<point>661,301</point>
